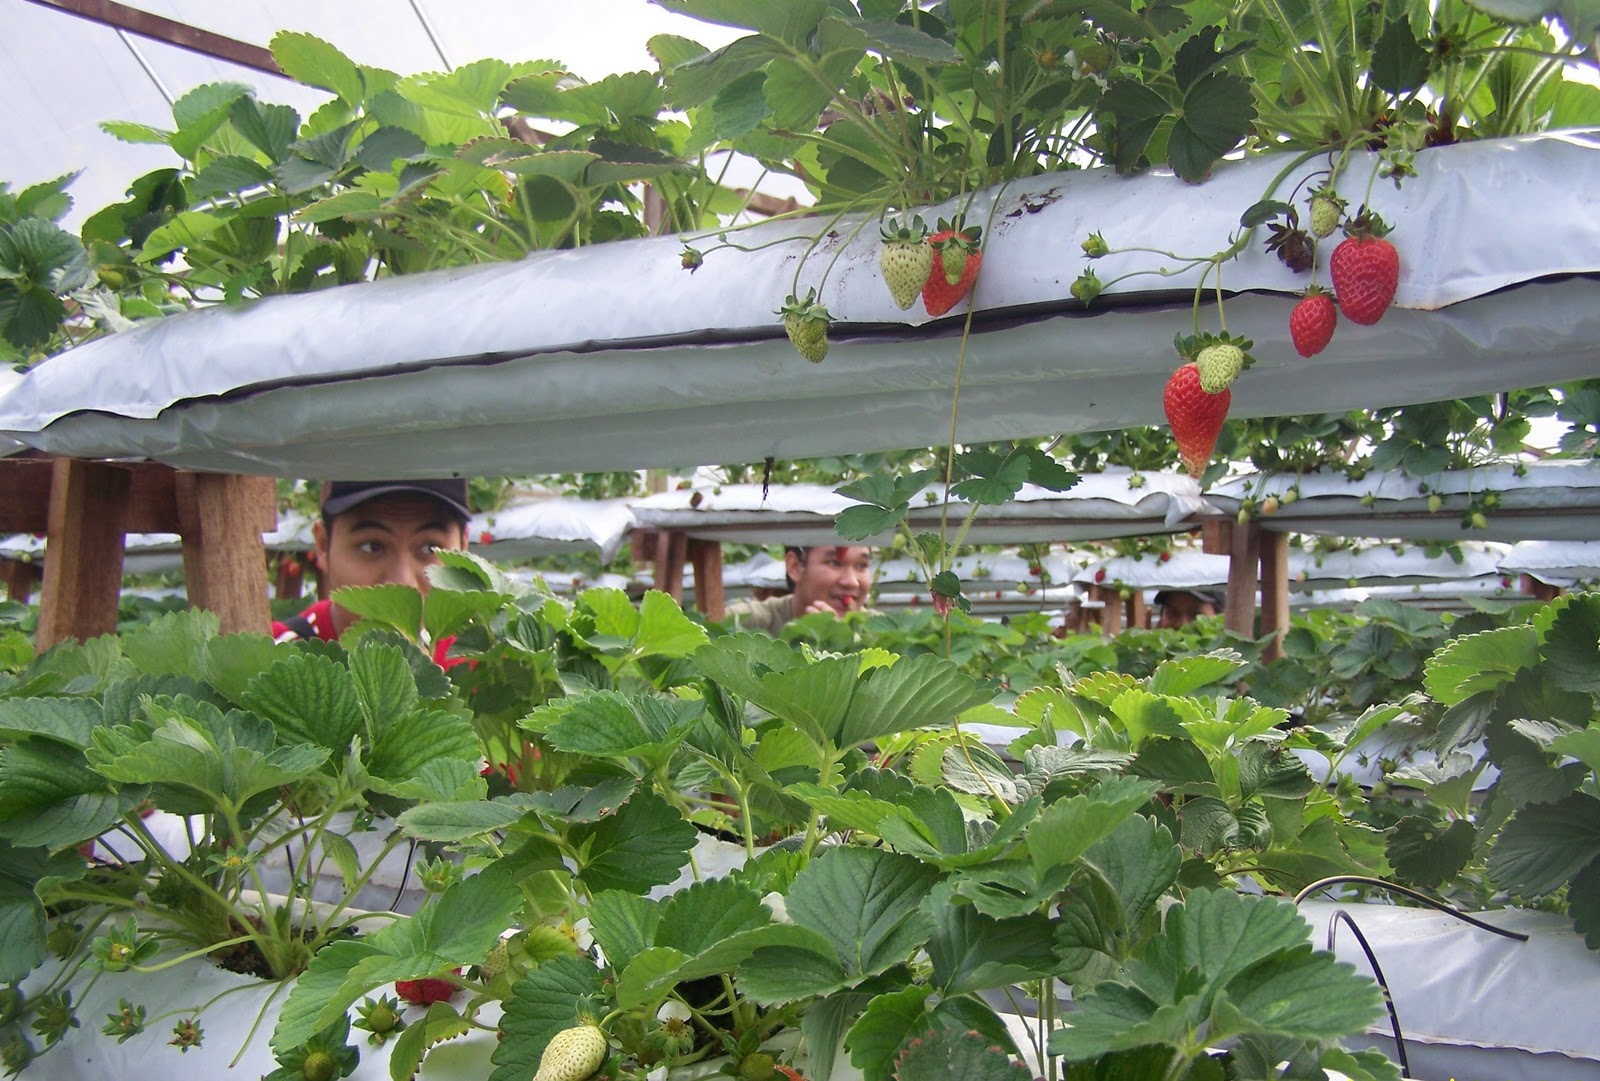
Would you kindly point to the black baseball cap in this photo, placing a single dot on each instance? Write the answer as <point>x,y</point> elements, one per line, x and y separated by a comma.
<point>339,496</point>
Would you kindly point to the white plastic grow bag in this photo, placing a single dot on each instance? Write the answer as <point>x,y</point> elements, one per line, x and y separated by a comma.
<point>546,365</point>
<point>1473,1005</point>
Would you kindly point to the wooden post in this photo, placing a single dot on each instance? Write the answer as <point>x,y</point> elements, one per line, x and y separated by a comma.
<point>1274,591</point>
<point>83,570</point>
<point>672,549</point>
<point>291,576</point>
<point>1111,614</point>
<point>1538,590</point>
<point>1244,561</point>
<point>20,577</point>
<point>1138,613</point>
<point>222,517</point>
<point>706,558</point>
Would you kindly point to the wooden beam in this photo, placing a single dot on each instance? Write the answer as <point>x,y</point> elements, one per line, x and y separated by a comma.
<point>672,549</point>
<point>1539,590</point>
<point>706,558</point>
<point>1216,536</point>
<point>1244,561</point>
<point>1274,592</point>
<point>205,42</point>
<point>83,572</point>
<point>1138,613</point>
<point>224,562</point>
<point>25,496</point>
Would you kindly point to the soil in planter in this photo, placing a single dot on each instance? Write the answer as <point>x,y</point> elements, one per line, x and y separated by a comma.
<point>246,958</point>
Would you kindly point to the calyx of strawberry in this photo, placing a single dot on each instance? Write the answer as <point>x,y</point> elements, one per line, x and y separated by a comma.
<point>913,232</point>
<point>1367,223</point>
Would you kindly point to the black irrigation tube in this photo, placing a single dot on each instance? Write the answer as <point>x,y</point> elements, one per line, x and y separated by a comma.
<point>1342,916</point>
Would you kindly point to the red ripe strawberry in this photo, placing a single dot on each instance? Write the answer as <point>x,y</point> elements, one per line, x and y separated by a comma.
<point>1099,576</point>
<point>426,991</point>
<point>486,537</point>
<point>1312,321</point>
<point>1365,269</point>
<point>291,567</point>
<point>1196,417</point>
<point>792,1075</point>
<point>958,249</point>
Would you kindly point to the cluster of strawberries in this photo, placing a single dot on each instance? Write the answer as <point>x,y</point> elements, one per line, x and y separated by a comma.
<point>1365,269</point>
<point>940,268</point>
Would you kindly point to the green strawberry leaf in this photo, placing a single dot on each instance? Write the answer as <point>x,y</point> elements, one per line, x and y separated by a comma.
<point>943,1055</point>
<point>974,952</point>
<point>1427,854</point>
<point>1545,845</point>
<point>877,1035</point>
<point>308,698</point>
<point>541,1004</point>
<point>63,720</point>
<point>645,843</point>
<point>51,798</point>
<point>1479,662</point>
<point>1572,645</point>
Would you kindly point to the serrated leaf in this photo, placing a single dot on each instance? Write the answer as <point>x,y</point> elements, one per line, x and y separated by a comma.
<point>1583,745</point>
<point>866,904</point>
<point>174,643</point>
<point>1583,904</point>
<point>1139,861</point>
<point>1572,645</point>
<point>883,1026</point>
<point>233,660</point>
<point>1426,853</point>
<point>865,523</point>
<point>458,821</point>
<point>393,605</point>
<point>623,924</point>
<point>1217,113</point>
<point>384,686</point>
<point>183,231</point>
<point>311,60</point>
<point>439,780</point>
<point>1185,675</point>
<point>1065,829</point>
<point>1479,662</point>
<point>971,951</point>
<point>1545,845</point>
<point>63,720</point>
<point>645,843</point>
<point>1268,769</point>
<point>50,798</point>
<point>944,1055</point>
<point>129,132</point>
<point>268,128</point>
<point>1145,715</point>
<point>542,1003</point>
<point>200,112</point>
<point>228,175</point>
<point>407,744</point>
<point>309,699</point>
<point>664,629</point>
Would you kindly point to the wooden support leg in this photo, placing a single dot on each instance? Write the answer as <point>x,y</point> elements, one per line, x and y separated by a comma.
<point>672,549</point>
<point>1274,591</point>
<point>1111,614</point>
<point>1138,611</point>
<point>20,578</point>
<point>83,572</point>
<point>224,563</point>
<point>706,558</point>
<point>1244,561</point>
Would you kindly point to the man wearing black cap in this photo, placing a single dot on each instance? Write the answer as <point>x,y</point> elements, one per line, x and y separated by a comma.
<point>377,532</point>
<point>1180,607</point>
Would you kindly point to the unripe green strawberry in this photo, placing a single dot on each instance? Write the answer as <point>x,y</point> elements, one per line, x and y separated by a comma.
<point>1219,365</point>
<point>1269,505</point>
<point>1477,520</point>
<point>806,323</point>
<point>572,1054</point>
<point>758,1066</point>
<point>1435,502</point>
<point>319,1066</point>
<point>1327,211</point>
<point>495,961</point>
<point>906,260</point>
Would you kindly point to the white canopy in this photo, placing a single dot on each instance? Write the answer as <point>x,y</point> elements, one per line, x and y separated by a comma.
<point>981,573</point>
<point>1550,500</point>
<point>1555,563</point>
<point>1100,506</point>
<point>613,357</point>
<point>1380,565</point>
<point>532,526</point>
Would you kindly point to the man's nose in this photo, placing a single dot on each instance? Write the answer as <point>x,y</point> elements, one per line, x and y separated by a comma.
<point>409,570</point>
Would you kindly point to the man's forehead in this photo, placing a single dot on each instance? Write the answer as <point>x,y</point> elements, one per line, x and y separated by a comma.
<point>400,509</point>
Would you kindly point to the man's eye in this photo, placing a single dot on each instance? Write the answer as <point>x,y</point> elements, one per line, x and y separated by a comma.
<point>369,547</point>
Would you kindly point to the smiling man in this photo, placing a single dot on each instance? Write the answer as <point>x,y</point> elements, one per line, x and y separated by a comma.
<point>378,532</point>
<point>826,578</point>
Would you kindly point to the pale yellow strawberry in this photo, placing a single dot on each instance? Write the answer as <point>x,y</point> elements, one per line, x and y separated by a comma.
<point>573,1054</point>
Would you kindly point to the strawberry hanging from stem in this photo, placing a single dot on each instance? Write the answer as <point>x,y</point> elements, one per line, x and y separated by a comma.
<point>958,258</point>
<point>806,324</point>
<point>1365,269</point>
<point>906,259</point>
<point>1195,415</point>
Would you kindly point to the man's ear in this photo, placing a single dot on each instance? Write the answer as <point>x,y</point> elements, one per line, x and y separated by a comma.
<point>319,534</point>
<point>794,565</point>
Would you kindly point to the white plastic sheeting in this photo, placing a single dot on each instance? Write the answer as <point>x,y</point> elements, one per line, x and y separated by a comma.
<point>1100,506</point>
<point>1551,500</point>
<point>981,573</point>
<point>1183,569</point>
<point>143,553</point>
<point>1473,1004</point>
<point>1556,563</point>
<point>533,527</point>
<point>1385,566</point>
<point>614,357</point>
